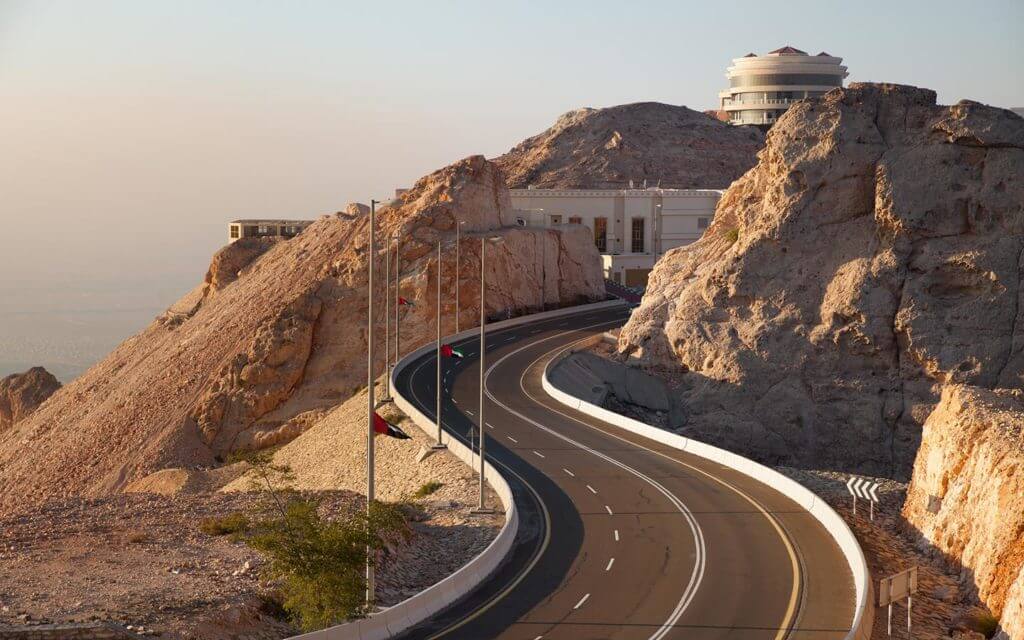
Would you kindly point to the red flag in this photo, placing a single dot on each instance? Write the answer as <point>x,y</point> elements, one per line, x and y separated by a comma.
<point>404,303</point>
<point>382,426</point>
<point>449,352</point>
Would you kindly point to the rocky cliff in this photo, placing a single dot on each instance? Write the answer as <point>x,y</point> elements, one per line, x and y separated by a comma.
<point>22,393</point>
<point>872,255</point>
<point>647,141</point>
<point>966,497</point>
<point>273,338</point>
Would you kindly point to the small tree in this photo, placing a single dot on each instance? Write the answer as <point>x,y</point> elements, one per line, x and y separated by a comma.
<point>319,564</point>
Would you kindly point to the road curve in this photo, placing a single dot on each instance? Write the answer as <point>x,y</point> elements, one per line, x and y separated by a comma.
<point>622,537</point>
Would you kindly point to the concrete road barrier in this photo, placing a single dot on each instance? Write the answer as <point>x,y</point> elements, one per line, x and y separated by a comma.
<point>864,608</point>
<point>410,612</point>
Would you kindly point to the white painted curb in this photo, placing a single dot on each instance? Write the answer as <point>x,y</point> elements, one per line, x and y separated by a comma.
<point>416,609</point>
<point>864,609</point>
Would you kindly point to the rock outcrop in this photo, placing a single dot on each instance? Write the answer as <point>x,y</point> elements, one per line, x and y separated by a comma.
<point>966,497</point>
<point>256,362</point>
<point>22,393</point>
<point>872,255</point>
<point>662,144</point>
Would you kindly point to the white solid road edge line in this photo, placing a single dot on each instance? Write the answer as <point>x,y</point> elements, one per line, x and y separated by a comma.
<point>861,625</point>
<point>582,600</point>
<point>418,607</point>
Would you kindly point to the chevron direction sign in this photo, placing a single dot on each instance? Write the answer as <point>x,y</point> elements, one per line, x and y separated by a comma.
<point>865,489</point>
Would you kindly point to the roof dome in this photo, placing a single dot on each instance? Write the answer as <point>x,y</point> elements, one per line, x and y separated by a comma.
<point>788,51</point>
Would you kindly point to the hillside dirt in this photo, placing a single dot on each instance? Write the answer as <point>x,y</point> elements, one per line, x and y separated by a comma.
<point>275,336</point>
<point>649,143</point>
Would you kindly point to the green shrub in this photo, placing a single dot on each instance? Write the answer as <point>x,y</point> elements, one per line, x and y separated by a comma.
<point>138,537</point>
<point>233,523</point>
<point>985,624</point>
<point>427,488</point>
<point>319,565</point>
<point>732,235</point>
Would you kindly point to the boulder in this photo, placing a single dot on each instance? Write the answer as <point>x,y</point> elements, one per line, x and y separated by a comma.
<point>966,496</point>
<point>22,393</point>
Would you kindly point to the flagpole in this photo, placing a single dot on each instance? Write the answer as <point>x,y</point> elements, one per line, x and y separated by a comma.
<point>371,258</point>
<point>438,444</point>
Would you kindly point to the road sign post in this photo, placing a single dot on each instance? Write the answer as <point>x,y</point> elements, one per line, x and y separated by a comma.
<point>894,589</point>
<point>866,489</point>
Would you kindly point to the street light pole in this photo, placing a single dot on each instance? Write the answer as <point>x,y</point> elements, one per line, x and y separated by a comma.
<point>398,294</point>
<point>438,444</point>
<point>657,231</point>
<point>387,322</point>
<point>481,508</point>
<point>371,258</point>
<point>458,229</point>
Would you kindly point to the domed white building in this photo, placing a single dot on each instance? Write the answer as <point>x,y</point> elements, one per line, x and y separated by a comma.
<point>761,88</point>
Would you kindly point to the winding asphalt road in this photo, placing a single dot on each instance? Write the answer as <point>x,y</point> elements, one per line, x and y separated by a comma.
<point>622,537</point>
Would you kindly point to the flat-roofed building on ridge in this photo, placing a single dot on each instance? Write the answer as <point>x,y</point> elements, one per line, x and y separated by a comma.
<point>762,88</point>
<point>265,228</point>
<point>631,227</point>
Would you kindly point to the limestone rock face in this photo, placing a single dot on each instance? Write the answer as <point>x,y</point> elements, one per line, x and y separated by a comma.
<point>872,255</point>
<point>257,362</point>
<point>22,393</point>
<point>663,144</point>
<point>966,497</point>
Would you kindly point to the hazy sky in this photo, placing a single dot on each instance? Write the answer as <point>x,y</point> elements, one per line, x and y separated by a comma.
<point>131,131</point>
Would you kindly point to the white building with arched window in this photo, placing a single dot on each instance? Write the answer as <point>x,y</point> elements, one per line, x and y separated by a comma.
<point>631,227</point>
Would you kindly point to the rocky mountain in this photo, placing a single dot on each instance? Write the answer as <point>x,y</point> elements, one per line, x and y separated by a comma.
<point>864,281</point>
<point>872,255</point>
<point>22,393</point>
<point>661,144</point>
<point>967,494</point>
<point>276,335</point>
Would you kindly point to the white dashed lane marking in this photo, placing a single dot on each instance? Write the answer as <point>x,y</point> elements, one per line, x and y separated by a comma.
<point>609,510</point>
<point>616,535</point>
<point>569,472</point>
<point>610,563</point>
<point>489,425</point>
<point>582,600</point>
<point>592,489</point>
<point>538,453</point>
<point>513,439</point>
<point>468,412</point>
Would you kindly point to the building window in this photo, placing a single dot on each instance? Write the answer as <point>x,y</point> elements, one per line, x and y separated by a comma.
<point>761,80</point>
<point>263,229</point>
<point>575,220</point>
<point>601,234</point>
<point>234,231</point>
<point>702,223</point>
<point>638,235</point>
